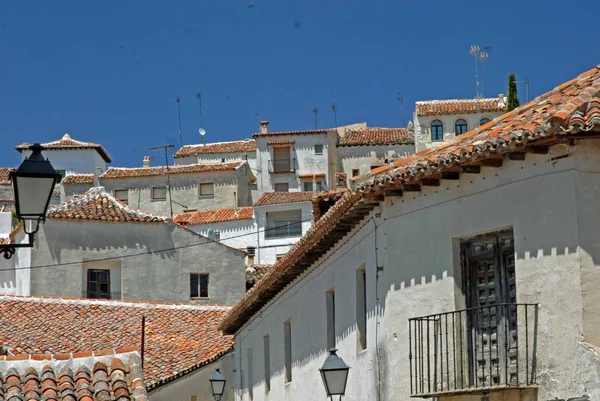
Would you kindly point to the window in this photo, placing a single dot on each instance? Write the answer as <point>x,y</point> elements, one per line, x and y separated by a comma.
<point>277,257</point>
<point>222,160</point>
<point>355,172</point>
<point>287,341</point>
<point>330,307</point>
<point>484,121</point>
<point>318,149</point>
<point>122,195</point>
<point>244,157</point>
<point>308,186</point>
<point>460,127</point>
<point>361,309</point>
<point>284,224</point>
<point>159,193</point>
<point>267,359</point>
<point>62,174</point>
<point>282,187</point>
<point>199,285</point>
<point>98,284</point>
<point>281,159</point>
<point>250,376</point>
<point>206,190</point>
<point>437,130</point>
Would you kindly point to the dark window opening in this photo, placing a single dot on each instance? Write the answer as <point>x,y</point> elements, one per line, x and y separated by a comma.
<point>198,285</point>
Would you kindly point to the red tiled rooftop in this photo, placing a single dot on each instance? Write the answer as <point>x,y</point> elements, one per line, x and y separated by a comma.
<point>66,143</point>
<point>459,106</point>
<point>243,146</point>
<point>178,337</point>
<point>256,272</point>
<point>214,216</point>
<point>272,198</point>
<point>78,179</point>
<point>139,172</point>
<point>98,205</point>
<point>5,174</point>
<point>375,136</point>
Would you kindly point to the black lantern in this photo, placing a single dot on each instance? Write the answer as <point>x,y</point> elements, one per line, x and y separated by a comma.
<point>334,374</point>
<point>33,185</point>
<point>217,384</point>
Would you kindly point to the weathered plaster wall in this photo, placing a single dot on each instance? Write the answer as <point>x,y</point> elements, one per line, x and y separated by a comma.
<point>364,157</point>
<point>72,160</point>
<point>70,190</point>
<point>6,195</point>
<point>238,234</point>
<point>197,383</point>
<point>158,276</point>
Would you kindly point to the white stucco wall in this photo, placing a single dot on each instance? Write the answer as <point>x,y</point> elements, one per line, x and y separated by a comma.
<point>269,248</point>
<point>237,234</point>
<point>364,157</point>
<point>219,157</point>
<point>14,272</point>
<point>72,160</point>
<point>197,383</point>
<point>551,205</point>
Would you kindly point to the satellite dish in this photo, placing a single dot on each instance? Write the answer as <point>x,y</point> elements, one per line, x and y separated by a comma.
<point>202,131</point>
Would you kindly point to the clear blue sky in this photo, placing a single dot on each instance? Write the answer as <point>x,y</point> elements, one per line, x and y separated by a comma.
<point>108,71</point>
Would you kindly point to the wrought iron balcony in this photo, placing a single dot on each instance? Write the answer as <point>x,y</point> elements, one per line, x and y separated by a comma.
<point>293,229</point>
<point>101,295</point>
<point>473,351</point>
<point>282,166</point>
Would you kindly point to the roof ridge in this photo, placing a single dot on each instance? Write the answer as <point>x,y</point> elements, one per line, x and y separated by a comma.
<point>489,99</point>
<point>61,356</point>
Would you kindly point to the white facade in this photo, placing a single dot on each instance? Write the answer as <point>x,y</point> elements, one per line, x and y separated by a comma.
<point>409,249</point>
<point>72,160</point>
<point>357,160</point>
<point>250,157</point>
<point>239,234</point>
<point>14,272</point>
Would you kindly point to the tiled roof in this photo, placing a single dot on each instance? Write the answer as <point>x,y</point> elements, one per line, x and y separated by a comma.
<point>340,179</point>
<point>292,133</point>
<point>113,377</point>
<point>67,143</point>
<point>571,108</point>
<point>290,142</point>
<point>243,146</point>
<point>98,205</point>
<point>137,172</point>
<point>375,136</point>
<point>78,179</point>
<point>319,239</point>
<point>179,338</point>
<point>272,198</point>
<point>5,174</point>
<point>256,272</point>
<point>459,106</point>
<point>310,175</point>
<point>214,216</point>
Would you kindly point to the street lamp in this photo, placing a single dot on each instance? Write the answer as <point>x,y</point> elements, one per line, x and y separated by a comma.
<point>217,384</point>
<point>33,184</point>
<point>334,373</point>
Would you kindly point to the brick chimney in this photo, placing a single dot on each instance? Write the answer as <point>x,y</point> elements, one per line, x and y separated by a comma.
<point>264,127</point>
<point>146,162</point>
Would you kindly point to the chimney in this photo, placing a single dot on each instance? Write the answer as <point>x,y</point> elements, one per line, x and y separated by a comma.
<point>146,162</point>
<point>314,186</point>
<point>97,176</point>
<point>264,127</point>
<point>251,252</point>
<point>501,101</point>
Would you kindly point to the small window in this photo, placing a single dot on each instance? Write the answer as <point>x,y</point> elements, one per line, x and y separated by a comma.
<point>222,160</point>
<point>437,130</point>
<point>267,359</point>
<point>460,127</point>
<point>279,256</point>
<point>206,190</point>
<point>282,187</point>
<point>159,193</point>
<point>308,186</point>
<point>122,195</point>
<point>198,285</point>
<point>250,376</point>
<point>318,149</point>
<point>287,341</point>
<point>355,172</point>
<point>244,157</point>
<point>361,309</point>
<point>98,284</point>
<point>217,235</point>
<point>484,121</point>
<point>330,307</point>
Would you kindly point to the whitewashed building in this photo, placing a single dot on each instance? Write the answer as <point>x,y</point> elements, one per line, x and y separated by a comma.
<point>218,152</point>
<point>438,121</point>
<point>466,272</point>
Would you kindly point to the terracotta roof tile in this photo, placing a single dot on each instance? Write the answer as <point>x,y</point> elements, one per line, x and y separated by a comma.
<point>214,216</point>
<point>272,198</point>
<point>256,272</point>
<point>179,337</point>
<point>5,174</point>
<point>459,106</point>
<point>571,108</point>
<point>98,205</point>
<point>290,142</point>
<point>340,179</point>
<point>78,179</point>
<point>311,175</point>
<point>292,133</point>
<point>67,143</point>
<point>137,172</point>
<point>375,136</point>
<point>243,146</point>
<point>94,380</point>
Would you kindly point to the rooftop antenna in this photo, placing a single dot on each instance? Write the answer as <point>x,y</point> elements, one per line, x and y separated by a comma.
<point>315,111</point>
<point>400,100</point>
<point>166,149</point>
<point>178,100</point>
<point>256,114</point>
<point>526,82</point>
<point>478,55</point>
<point>334,109</point>
<point>201,130</point>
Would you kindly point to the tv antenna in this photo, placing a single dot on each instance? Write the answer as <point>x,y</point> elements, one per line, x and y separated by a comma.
<point>315,111</point>
<point>201,130</point>
<point>526,83</point>
<point>400,100</point>
<point>256,114</point>
<point>334,109</point>
<point>178,101</point>
<point>166,150</point>
<point>479,56</point>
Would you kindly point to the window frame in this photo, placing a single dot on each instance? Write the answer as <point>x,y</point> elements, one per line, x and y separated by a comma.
<point>126,201</point>
<point>355,172</point>
<point>321,152</point>
<point>199,289</point>
<point>281,183</point>
<point>267,362</point>
<point>319,186</point>
<point>98,292</point>
<point>206,196</point>
<point>484,118</point>
<point>152,195</point>
<point>361,309</point>
<point>438,124</point>
<point>465,125</point>
<point>330,309</point>
<point>287,351</point>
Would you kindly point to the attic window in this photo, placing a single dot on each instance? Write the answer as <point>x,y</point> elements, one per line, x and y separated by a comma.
<point>318,149</point>
<point>159,193</point>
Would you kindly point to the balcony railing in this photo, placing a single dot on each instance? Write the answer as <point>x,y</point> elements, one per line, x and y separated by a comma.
<point>101,295</point>
<point>293,229</point>
<point>282,165</point>
<point>473,351</point>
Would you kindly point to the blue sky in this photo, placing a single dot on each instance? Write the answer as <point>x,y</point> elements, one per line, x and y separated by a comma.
<point>108,71</point>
